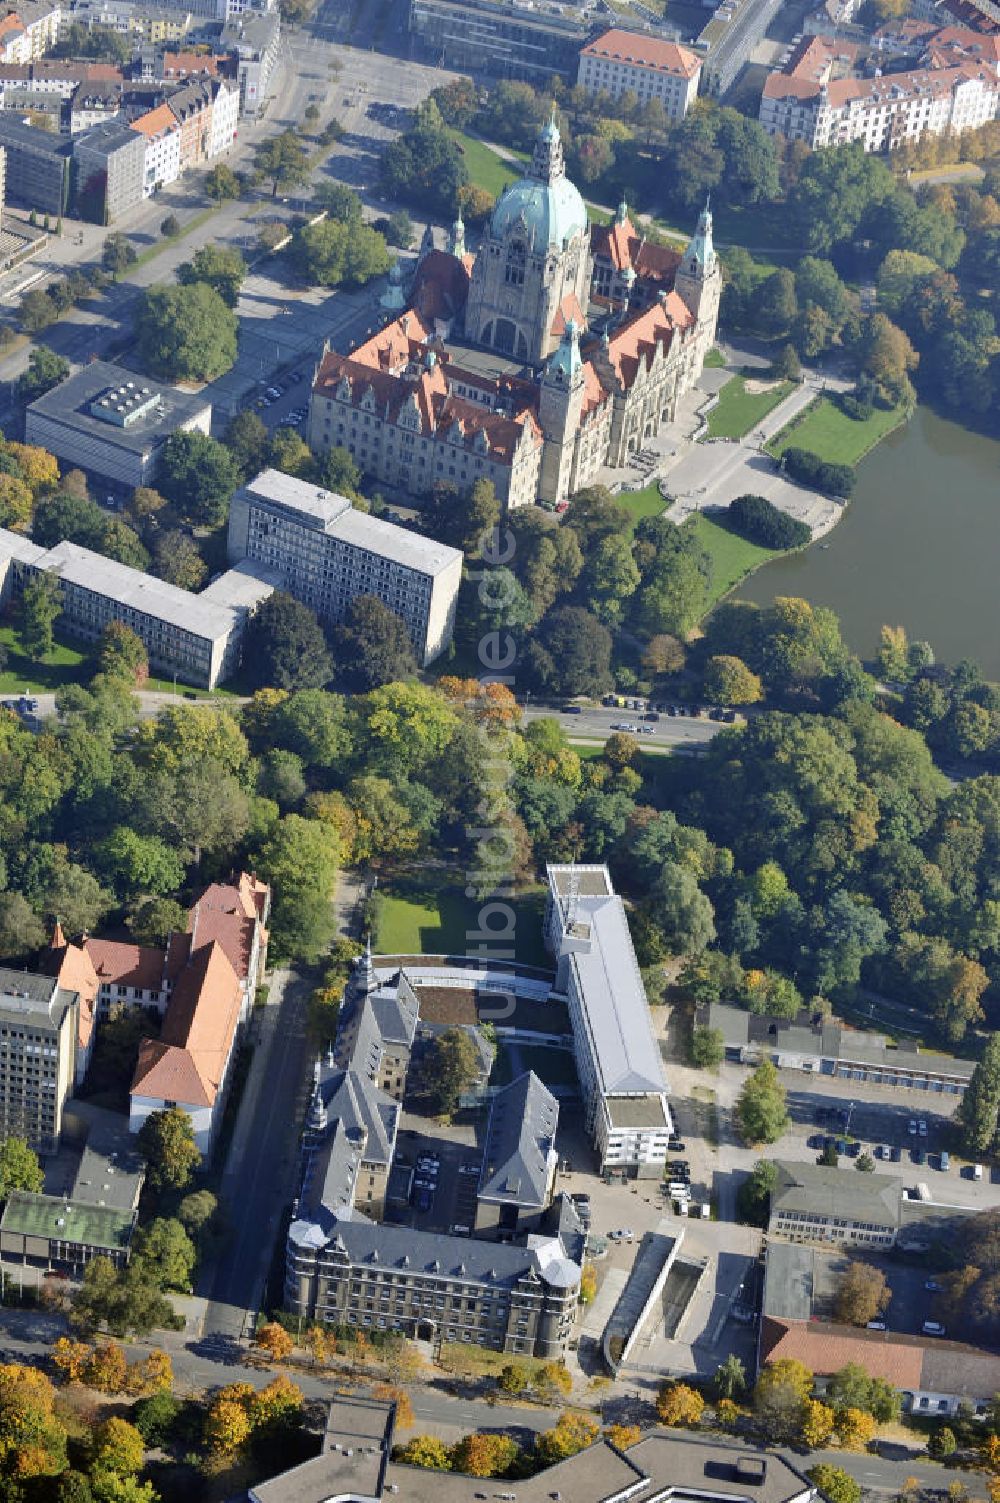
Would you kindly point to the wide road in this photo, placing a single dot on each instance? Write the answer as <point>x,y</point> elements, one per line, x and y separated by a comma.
<point>259,1180</point>
<point>595,724</point>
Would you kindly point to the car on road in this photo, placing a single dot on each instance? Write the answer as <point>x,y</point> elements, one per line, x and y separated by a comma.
<point>933,1286</point>
<point>876,1325</point>
<point>932,1328</point>
<point>572,710</point>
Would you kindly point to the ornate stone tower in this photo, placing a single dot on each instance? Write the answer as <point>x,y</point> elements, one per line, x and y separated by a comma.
<point>534,260</point>
<point>560,401</point>
<point>699,283</point>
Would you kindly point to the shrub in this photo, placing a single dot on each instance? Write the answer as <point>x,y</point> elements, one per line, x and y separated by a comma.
<point>759,521</point>
<point>820,474</point>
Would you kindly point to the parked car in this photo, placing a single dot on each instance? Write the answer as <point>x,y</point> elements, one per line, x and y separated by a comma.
<point>895,1154</point>
<point>425,1199</point>
<point>933,1286</point>
<point>977,1171</point>
<point>919,1156</point>
<point>877,1325</point>
<point>922,1128</point>
<point>944,1161</point>
<point>676,1145</point>
<point>912,1128</point>
<point>572,709</point>
<point>932,1328</point>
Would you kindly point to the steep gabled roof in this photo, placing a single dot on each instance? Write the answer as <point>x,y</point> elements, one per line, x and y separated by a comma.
<point>520,1143</point>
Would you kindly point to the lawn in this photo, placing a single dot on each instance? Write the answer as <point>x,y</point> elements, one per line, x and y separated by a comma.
<point>733,558</point>
<point>418,921</point>
<point>66,664</point>
<point>645,503</point>
<point>486,169</point>
<point>715,360</point>
<point>740,410</point>
<point>827,431</point>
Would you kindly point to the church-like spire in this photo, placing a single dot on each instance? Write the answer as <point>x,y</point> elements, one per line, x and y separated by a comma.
<point>621,213</point>
<point>547,162</point>
<point>699,258</point>
<point>58,937</point>
<point>457,246</point>
<point>365,979</point>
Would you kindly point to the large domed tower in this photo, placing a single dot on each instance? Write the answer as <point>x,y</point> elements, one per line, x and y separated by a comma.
<point>532,273</point>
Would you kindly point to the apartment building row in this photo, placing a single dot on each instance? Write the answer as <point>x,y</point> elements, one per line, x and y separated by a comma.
<point>511,1282</point>
<point>820,98</point>
<point>618,1056</point>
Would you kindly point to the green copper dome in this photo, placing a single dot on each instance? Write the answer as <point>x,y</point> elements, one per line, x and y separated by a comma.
<point>549,204</point>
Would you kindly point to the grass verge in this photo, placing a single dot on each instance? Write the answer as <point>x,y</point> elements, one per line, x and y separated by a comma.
<point>66,664</point>
<point>152,251</point>
<point>715,360</point>
<point>486,169</point>
<point>733,558</point>
<point>825,430</point>
<point>645,503</point>
<point>739,410</point>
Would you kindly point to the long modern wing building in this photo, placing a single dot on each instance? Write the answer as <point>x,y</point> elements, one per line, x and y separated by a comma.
<point>617,1054</point>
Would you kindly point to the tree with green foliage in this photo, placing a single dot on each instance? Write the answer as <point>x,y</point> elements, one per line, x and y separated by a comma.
<point>424,166</point>
<point>199,475</point>
<point>753,1200</point>
<point>127,1302</point>
<point>177,559</point>
<point>373,646</point>
<point>782,1388</point>
<point>118,254</point>
<point>284,160</point>
<point>761,1112</point>
<point>729,681</point>
<point>851,1387</point>
<point>140,864</point>
<point>19,1167</point>
<point>285,647</point>
<point>121,653</point>
<point>942,1443</point>
<point>834,1484</point>
<point>221,183</point>
<point>166,1142</point>
<point>41,604</point>
<point>167,1253</point>
<point>155,1417</point>
<point>186,333</point>
<point>570,653</point>
<point>299,859</point>
<point>979,1107</point>
<point>45,370</point>
<point>247,440</point>
<point>221,267</point>
<point>730,1379</point>
<point>708,1048</point>
<point>332,252</point>
<point>452,1068</point>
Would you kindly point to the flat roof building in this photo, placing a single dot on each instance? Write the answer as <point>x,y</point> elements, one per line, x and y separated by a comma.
<point>111,424</point>
<point>327,553</point>
<point>617,1053</point>
<point>38,1041</point>
<point>38,167</point>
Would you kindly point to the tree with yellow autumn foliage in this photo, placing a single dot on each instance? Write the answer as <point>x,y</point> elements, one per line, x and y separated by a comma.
<point>680,1405</point>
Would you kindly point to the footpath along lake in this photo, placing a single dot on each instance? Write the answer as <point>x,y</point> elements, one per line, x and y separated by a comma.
<point>918,547</point>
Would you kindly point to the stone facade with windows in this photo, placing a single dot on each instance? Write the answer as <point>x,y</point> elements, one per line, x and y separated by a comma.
<point>554,352</point>
<point>625,62</point>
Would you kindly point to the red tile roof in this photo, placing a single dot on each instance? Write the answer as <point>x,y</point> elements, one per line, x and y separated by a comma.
<point>568,309</point>
<point>186,64</point>
<point>644,52</point>
<point>155,122</point>
<point>624,247</point>
<point>118,963</point>
<point>188,1061</point>
<point>73,969</point>
<point>635,342</point>
<point>825,1348</point>
<point>227,912</point>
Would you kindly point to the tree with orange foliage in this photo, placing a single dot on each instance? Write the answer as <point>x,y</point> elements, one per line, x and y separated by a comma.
<point>227,1427</point>
<point>32,1440</point>
<point>153,1374</point>
<point>622,1436</point>
<point>485,1455</point>
<point>275,1341</point>
<point>572,1432</point>
<point>274,1404</point>
<point>70,1359</point>
<point>679,1404</point>
<point>318,1344</point>
<point>855,1429</point>
<point>989,1454</point>
<point>389,1394</point>
<point>106,1368</point>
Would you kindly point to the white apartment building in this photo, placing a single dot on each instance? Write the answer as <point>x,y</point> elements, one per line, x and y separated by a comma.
<point>225,117</point>
<point>29,32</point>
<point>617,1054</point>
<point>327,553</point>
<point>620,62</point>
<point>817,101</point>
<point>162,134</point>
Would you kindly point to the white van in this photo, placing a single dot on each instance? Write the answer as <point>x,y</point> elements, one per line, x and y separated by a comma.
<point>977,1171</point>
